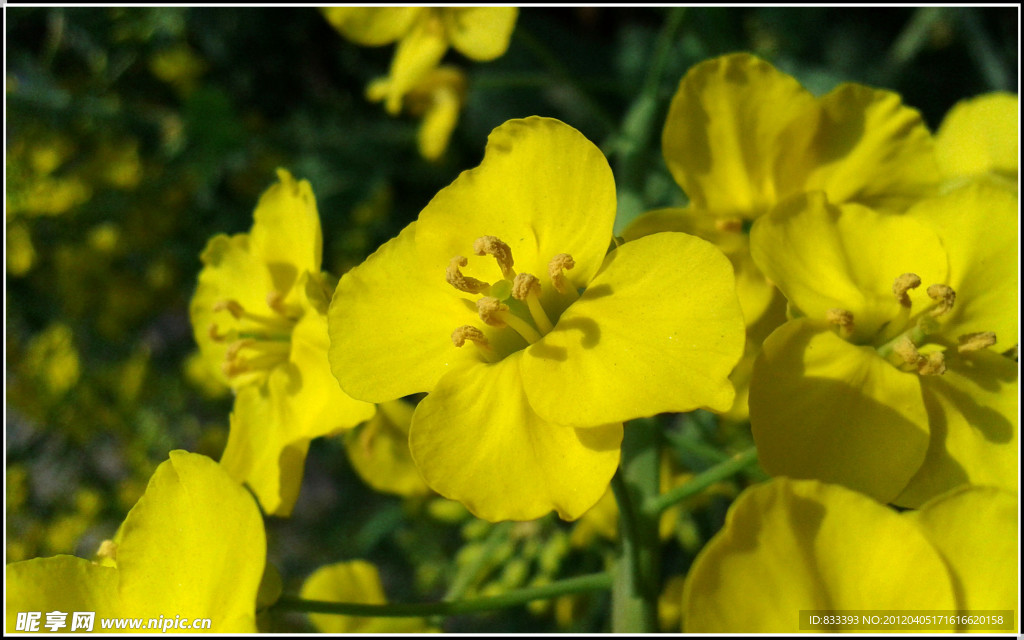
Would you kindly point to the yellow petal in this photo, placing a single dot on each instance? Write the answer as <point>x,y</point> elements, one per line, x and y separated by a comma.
<point>480,33</point>
<point>978,225</point>
<point>823,257</point>
<point>419,51</point>
<point>975,530</point>
<point>356,582</point>
<point>475,439</point>
<point>542,188</point>
<point>823,408</point>
<point>791,545</point>
<point>973,414</point>
<point>980,136</point>
<point>61,583</point>
<point>730,133</point>
<point>261,452</point>
<point>372,26</point>
<point>230,272</point>
<point>379,451</point>
<point>390,324</point>
<point>193,546</point>
<point>438,123</point>
<point>871,149</point>
<point>658,329</point>
<point>286,231</point>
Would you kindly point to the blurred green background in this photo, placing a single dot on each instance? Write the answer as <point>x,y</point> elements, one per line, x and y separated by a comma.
<point>135,134</point>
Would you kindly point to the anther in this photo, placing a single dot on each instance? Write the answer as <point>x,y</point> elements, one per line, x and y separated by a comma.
<point>558,279</point>
<point>975,341</point>
<point>490,310</point>
<point>217,337</point>
<point>905,283</point>
<point>461,282</point>
<point>840,317</point>
<point>275,300</point>
<point>526,287</point>
<point>467,332</point>
<point>932,365</point>
<point>731,225</point>
<point>492,246</point>
<point>905,349</point>
<point>231,306</point>
<point>944,295</point>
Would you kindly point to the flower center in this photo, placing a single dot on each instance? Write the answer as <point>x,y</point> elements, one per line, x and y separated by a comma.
<point>912,339</point>
<point>257,342</point>
<point>512,304</point>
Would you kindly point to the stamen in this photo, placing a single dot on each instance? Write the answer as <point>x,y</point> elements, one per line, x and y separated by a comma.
<point>492,246</point>
<point>461,282</point>
<point>107,550</point>
<point>239,313</point>
<point>558,279</point>
<point>275,300</point>
<point>219,337</point>
<point>905,349</point>
<point>932,365</point>
<point>474,335</point>
<point>231,306</point>
<point>905,283</point>
<point>496,314</point>
<point>526,287</point>
<point>975,341</point>
<point>733,225</point>
<point>842,318</point>
<point>944,295</point>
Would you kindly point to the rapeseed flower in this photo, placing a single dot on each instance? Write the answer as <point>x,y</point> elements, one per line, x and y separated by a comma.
<point>355,581</point>
<point>424,35</point>
<point>259,317</point>
<point>192,547</point>
<point>889,379</point>
<point>741,137</point>
<point>799,545</point>
<point>379,451</point>
<point>555,343</point>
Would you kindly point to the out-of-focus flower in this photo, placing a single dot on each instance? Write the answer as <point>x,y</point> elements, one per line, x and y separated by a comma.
<point>358,582</point>
<point>980,137</point>
<point>259,315</point>
<point>192,547</point>
<point>379,451</point>
<point>437,98</point>
<point>741,137</point>
<point>889,380</point>
<point>524,411</point>
<point>424,35</point>
<point>178,66</point>
<point>798,545</point>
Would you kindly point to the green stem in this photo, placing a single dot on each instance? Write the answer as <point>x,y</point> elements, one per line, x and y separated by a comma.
<point>635,592</point>
<point>580,584</point>
<point>701,481</point>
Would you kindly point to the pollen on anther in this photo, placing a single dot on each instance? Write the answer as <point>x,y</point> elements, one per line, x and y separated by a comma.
<point>944,295</point>
<point>905,349</point>
<point>231,306</point>
<point>467,332</point>
<point>493,246</point>
<point>490,310</point>
<point>523,285</point>
<point>560,262</point>
<point>462,282</point>
<point>905,283</point>
<point>840,317</point>
<point>975,341</point>
<point>934,364</point>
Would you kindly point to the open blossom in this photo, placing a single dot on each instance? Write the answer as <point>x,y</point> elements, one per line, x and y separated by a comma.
<point>424,35</point>
<point>741,137</point>
<point>890,377</point>
<point>192,547</point>
<point>259,316</point>
<point>534,350</point>
<point>799,545</point>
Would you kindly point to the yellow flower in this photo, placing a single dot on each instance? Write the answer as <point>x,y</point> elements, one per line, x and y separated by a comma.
<point>798,545</point>
<point>524,412</point>
<point>423,35</point>
<point>192,547</point>
<point>980,137</point>
<point>379,451</point>
<point>259,315</point>
<point>438,97</point>
<point>889,379</point>
<point>357,582</point>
